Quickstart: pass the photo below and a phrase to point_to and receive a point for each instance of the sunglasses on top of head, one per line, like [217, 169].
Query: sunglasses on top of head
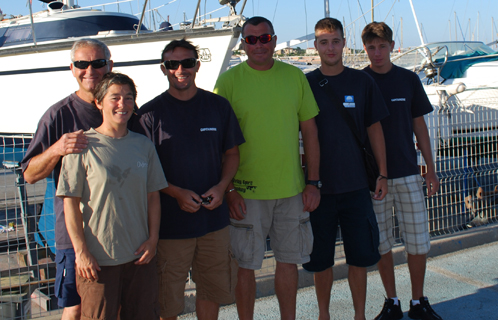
[264, 38]
[174, 64]
[96, 64]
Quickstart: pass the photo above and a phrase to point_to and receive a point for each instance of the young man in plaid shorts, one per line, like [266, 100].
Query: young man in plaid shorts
[407, 104]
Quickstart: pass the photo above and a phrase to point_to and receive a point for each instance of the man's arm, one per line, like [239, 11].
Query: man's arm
[378, 144]
[230, 165]
[424, 144]
[40, 166]
[311, 194]
[154, 219]
[86, 264]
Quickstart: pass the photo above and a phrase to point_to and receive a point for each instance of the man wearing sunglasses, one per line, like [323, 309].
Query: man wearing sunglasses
[196, 135]
[60, 132]
[269, 195]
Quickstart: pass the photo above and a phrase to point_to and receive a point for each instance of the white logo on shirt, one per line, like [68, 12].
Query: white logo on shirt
[208, 129]
[398, 99]
[141, 164]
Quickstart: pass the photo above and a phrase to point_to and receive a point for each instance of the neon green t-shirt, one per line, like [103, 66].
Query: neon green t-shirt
[269, 106]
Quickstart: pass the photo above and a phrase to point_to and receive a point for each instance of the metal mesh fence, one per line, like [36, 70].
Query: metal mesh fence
[27, 269]
[463, 131]
[466, 161]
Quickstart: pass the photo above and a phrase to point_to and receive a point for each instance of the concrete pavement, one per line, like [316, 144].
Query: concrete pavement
[461, 285]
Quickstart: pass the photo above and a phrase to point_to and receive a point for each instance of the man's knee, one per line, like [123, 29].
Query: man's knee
[286, 267]
[245, 274]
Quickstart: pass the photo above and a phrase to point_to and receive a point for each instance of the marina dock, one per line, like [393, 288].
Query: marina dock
[461, 285]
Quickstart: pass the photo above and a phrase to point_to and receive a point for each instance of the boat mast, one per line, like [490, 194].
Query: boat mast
[196, 12]
[32, 24]
[456, 32]
[416, 22]
[141, 17]
[492, 30]
[401, 39]
[372, 10]
[477, 36]
[243, 6]
[449, 25]
[327, 11]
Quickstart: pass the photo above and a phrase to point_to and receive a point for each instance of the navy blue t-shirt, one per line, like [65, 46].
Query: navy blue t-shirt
[405, 99]
[342, 168]
[68, 115]
[190, 138]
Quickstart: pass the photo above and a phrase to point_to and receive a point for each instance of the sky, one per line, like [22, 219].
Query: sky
[296, 18]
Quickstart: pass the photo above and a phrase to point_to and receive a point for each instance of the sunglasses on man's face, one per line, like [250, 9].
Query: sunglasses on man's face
[96, 64]
[174, 64]
[264, 38]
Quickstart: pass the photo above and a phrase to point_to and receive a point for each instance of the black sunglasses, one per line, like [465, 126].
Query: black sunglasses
[264, 38]
[174, 64]
[96, 64]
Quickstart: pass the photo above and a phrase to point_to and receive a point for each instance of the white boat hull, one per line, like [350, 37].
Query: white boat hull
[34, 78]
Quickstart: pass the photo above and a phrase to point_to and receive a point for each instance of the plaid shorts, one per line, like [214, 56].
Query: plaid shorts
[407, 198]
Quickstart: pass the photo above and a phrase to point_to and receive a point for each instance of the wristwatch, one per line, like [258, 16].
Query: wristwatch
[316, 183]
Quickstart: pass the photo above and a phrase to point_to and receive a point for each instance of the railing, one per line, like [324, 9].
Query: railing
[465, 139]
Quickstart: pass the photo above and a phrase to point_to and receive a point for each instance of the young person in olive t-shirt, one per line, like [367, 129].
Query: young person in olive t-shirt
[112, 210]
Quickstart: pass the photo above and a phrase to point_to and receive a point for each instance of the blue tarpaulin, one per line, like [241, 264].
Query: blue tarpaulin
[456, 69]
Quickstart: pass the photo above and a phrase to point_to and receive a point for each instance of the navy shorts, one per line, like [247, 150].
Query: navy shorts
[353, 211]
[65, 279]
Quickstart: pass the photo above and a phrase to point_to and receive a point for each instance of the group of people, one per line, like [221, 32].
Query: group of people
[127, 240]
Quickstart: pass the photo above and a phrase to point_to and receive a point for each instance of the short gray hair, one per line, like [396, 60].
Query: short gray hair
[83, 43]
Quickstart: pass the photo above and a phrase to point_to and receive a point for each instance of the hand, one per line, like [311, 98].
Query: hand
[87, 266]
[311, 198]
[380, 189]
[236, 205]
[73, 142]
[148, 248]
[185, 199]
[216, 193]
[432, 183]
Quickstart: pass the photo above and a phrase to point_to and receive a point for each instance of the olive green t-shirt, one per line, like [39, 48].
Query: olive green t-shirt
[113, 178]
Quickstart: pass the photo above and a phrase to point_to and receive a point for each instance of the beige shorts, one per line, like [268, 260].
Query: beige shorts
[214, 271]
[291, 238]
[407, 198]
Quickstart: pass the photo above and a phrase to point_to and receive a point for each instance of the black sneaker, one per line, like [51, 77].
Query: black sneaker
[390, 311]
[423, 311]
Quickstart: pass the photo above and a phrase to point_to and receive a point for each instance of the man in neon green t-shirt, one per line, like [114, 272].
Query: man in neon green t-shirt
[272, 101]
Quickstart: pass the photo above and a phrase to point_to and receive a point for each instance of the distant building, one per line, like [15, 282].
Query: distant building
[285, 51]
[311, 51]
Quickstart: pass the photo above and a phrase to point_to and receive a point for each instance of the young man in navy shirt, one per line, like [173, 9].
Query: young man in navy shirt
[345, 197]
[407, 104]
[196, 134]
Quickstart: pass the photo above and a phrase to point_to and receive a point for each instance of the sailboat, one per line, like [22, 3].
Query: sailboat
[34, 55]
